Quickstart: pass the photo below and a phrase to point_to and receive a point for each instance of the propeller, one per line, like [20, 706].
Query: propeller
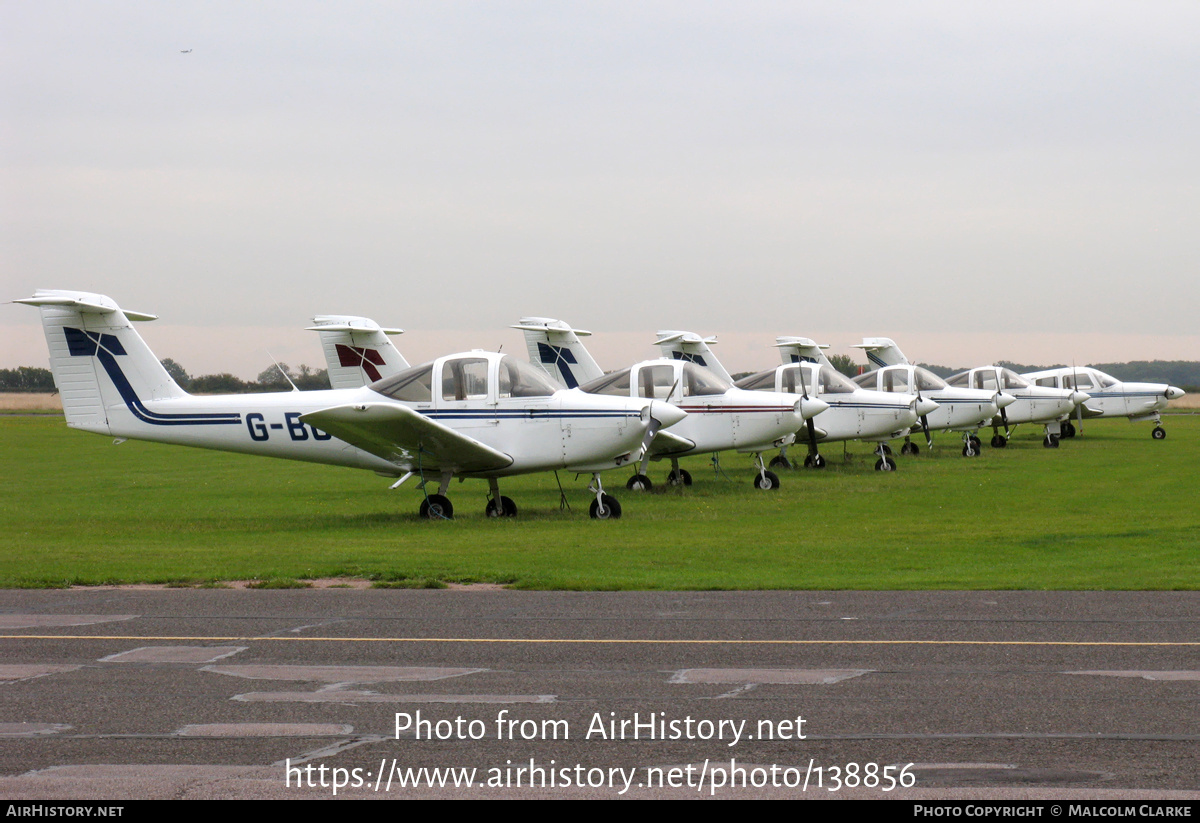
[1078, 408]
[655, 423]
[809, 424]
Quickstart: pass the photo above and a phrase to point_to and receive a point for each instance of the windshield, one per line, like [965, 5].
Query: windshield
[413, 385]
[928, 381]
[834, 382]
[616, 384]
[1012, 380]
[520, 379]
[765, 381]
[698, 381]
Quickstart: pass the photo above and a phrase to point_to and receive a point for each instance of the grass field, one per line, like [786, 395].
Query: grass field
[1111, 510]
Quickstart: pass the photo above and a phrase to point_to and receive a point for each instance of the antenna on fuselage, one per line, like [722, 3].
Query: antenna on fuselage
[281, 371]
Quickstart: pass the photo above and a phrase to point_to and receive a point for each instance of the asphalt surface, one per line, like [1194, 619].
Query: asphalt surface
[125, 694]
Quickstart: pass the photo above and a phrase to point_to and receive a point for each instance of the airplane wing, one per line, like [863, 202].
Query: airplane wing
[665, 443]
[406, 437]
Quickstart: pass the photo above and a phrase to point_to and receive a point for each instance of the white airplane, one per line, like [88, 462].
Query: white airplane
[357, 350]
[475, 414]
[1109, 397]
[1033, 404]
[961, 410]
[720, 416]
[853, 413]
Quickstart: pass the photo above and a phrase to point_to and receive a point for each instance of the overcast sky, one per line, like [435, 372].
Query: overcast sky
[976, 180]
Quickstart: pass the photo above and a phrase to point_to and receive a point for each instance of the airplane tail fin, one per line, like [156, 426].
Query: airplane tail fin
[357, 350]
[556, 349]
[801, 350]
[882, 351]
[684, 345]
[100, 363]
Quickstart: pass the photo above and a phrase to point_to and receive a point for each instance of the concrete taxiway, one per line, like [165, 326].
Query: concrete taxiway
[115, 694]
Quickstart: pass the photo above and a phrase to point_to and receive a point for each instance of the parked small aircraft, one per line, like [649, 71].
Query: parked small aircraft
[853, 413]
[721, 417]
[1109, 397]
[961, 410]
[1033, 404]
[474, 414]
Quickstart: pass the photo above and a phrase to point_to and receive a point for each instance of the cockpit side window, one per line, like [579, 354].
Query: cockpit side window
[986, 379]
[895, 380]
[465, 379]
[655, 382]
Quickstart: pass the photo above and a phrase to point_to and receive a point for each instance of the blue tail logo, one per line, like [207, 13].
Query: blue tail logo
[106, 348]
[559, 356]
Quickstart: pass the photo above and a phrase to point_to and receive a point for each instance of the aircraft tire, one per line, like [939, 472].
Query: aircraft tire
[1068, 430]
[639, 483]
[781, 462]
[910, 448]
[507, 508]
[887, 449]
[1050, 441]
[814, 461]
[684, 478]
[977, 443]
[1159, 433]
[767, 481]
[885, 464]
[999, 441]
[611, 510]
[970, 450]
[437, 507]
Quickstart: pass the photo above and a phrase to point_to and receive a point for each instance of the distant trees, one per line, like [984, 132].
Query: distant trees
[181, 377]
[845, 364]
[26, 379]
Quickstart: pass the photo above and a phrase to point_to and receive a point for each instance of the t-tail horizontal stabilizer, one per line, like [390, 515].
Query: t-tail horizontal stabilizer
[357, 350]
[555, 347]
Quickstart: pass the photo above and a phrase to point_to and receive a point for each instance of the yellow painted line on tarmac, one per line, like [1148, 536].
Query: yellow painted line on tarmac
[600, 641]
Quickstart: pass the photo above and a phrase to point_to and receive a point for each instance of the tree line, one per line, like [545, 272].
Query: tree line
[32, 379]
[1182, 373]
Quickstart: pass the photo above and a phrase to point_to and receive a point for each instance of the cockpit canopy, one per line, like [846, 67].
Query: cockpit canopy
[901, 379]
[467, 377]
[829, 380]
[985, 378]
[655, 379]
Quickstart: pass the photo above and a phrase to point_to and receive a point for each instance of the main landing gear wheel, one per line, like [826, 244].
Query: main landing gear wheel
[814, 461]
[977, 443]
[639, 483]
[681, 478]
[1159, 433]
[1068, 430]
[1050, 441]
[886, 449]
[910, 448]
[767, 481]
[781, 462]
[999, 441]
[507, 508]
[437, 507]
[606, 508]
[885, 464]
